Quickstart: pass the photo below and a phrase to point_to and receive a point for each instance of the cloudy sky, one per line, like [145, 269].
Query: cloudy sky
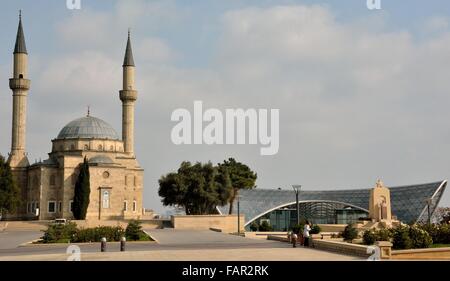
[362, 94]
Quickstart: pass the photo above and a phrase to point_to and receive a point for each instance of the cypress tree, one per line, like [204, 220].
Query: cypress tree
[9, 191]
[82, 192]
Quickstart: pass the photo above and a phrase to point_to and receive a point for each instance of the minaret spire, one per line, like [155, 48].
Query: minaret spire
[128, 96]
[20, 47]
[19, 84]
[128, 60]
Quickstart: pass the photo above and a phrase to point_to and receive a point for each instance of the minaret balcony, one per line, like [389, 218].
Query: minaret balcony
[128, 95]
[19, 84]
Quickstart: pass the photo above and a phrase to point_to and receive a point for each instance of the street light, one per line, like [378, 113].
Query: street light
[238, 215]
[297, 188]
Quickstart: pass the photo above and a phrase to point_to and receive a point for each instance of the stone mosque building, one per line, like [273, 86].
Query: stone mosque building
[47, 187]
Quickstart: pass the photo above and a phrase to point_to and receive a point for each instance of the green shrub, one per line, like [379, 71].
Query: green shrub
[265, 226]
[134, 232]
[401, 239]
[350, 233]
[297, 229]
[86, 235]
[419, 237]
[60, 233]
[254, 226]
[440, 233]
[111, 233]
[384, 235]
[315, 229]
[411, 237]
[369, 237]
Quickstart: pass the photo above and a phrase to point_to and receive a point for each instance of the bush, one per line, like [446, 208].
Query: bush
[369, 237]
[401, 239]
[60, 233]
[254, 226]
[134, 232]
[297, 229]
[111, 233]
[315, 229]
[265, 226]
[350, 233]
[384, 235]
[419, 237]
[411, 237]
[440, 233]
[373, 235]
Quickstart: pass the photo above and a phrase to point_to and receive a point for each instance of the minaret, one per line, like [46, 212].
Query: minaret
[19, 85]
[128, 96]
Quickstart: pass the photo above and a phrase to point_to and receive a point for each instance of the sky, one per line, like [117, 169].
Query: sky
[363, 94]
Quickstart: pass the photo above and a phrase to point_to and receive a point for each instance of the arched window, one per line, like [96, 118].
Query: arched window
[134, 206]
[72, 147]
[100, 147]
[20, 76]
[86, 147]
[105, 201]
[111, 148]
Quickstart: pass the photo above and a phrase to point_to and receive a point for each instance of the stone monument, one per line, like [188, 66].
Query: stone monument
[380, 213]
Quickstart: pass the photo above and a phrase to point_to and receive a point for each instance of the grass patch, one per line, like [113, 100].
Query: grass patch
[440, 245]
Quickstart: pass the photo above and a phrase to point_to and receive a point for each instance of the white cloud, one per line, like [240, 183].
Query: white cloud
[355, 103]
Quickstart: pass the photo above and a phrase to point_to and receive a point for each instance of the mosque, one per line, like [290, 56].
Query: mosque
[47, 187]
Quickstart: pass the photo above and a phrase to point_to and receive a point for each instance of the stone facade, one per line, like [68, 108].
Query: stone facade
[47, 188]
[224, 223]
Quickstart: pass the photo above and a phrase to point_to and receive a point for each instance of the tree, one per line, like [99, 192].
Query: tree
[9, 191]
[241, 176]
[199, 188]
[82, 192]
[350, 233]
[441, 215]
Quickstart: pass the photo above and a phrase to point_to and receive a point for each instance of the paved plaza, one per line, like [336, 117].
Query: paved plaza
[170, 245]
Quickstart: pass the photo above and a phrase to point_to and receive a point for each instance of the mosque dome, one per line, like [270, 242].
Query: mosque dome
[88, 127]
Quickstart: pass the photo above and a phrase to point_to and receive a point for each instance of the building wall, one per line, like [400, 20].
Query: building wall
[123, 179]
[226, 223]
[122, 185]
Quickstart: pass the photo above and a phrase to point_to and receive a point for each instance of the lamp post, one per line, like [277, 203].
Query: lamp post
[297, 188]
[238, 215]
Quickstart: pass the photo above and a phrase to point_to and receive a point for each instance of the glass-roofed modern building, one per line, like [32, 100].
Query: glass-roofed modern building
[277, 206]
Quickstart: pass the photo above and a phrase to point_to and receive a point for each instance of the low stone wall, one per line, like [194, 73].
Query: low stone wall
[226, 223]
[332, 227]
[278, 238]
[263, 234]
[421, 254]
[341, 247]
